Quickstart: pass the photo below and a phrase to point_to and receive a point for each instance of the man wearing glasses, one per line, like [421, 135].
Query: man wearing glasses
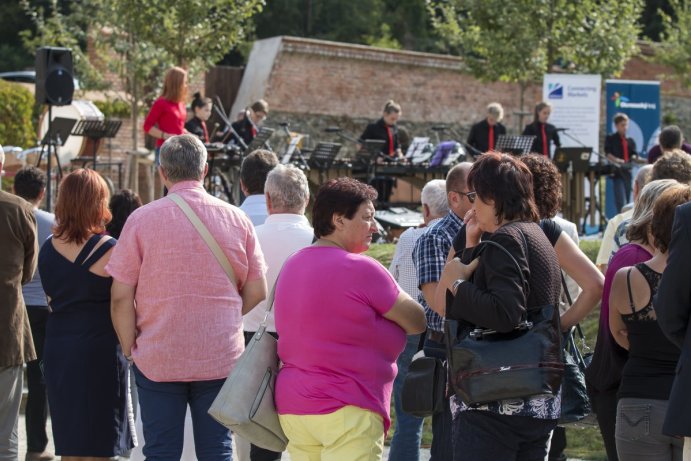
[429, 256]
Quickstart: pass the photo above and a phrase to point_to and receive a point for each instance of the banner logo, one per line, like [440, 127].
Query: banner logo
[555, 91]
[622, 102]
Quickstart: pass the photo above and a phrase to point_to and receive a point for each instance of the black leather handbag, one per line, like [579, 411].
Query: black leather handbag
[488, 366]
[424, 387]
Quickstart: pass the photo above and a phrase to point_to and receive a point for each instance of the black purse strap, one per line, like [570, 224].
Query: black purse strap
[577, 329]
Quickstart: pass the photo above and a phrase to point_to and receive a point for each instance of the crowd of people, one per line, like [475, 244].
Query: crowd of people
[116, 306]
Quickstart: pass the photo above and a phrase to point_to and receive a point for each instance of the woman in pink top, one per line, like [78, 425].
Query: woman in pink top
[342, 322]
[168, 114]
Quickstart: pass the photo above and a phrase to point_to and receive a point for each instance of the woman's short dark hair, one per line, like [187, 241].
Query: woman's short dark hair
[122, 204]
[546, 184]
[508, 182]
[342, 196]
[663, 214]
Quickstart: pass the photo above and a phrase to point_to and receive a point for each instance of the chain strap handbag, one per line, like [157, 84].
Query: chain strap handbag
[245, 403]
[487, 366]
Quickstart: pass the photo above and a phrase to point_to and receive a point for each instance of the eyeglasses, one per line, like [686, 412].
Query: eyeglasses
[469, 195]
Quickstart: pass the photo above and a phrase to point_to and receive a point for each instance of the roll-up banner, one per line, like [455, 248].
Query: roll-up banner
[640, 101]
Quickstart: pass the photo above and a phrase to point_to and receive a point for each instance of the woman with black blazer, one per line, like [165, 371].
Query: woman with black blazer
[495, 298]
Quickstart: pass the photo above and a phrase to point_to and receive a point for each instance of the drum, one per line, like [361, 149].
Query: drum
[75, 146]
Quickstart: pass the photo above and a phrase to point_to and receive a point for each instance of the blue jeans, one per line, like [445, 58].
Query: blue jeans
[442, 446]
[405, 444]
[163, 408]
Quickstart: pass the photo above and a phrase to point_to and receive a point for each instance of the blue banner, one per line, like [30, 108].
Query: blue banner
[640, 100]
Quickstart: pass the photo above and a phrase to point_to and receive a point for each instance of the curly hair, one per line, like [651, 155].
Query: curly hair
[673, 165]
[122, 204]
[546, 184]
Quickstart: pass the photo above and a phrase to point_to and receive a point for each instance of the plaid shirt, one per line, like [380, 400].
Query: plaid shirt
[429, 257]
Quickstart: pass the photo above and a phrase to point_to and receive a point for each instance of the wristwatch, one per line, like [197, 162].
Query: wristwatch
[456, 284]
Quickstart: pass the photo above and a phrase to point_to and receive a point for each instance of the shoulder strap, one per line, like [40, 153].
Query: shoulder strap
[87, 248]
[628, 287]
[100, 251]
[206, 236]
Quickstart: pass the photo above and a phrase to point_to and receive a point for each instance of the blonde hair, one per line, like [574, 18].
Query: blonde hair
[392, 106]
[495, 110]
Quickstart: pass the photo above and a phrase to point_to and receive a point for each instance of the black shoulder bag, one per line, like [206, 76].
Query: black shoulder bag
[487, 366]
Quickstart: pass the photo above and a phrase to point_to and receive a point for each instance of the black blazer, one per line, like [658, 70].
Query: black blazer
[244, 129]
[194, 126]
[673, 309]
[479, 135]
[535, 129]
[614, 146]
[377, 130]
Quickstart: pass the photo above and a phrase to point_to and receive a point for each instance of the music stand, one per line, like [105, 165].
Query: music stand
[96, 130]
[515, 145]
[260, 140]
[323, 155]
[575, 159]
[372, 149]
[58, 131]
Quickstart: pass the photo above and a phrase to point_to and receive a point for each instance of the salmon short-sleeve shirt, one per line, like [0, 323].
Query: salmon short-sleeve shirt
[188, 314]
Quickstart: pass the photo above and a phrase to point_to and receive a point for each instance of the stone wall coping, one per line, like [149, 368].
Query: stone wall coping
[369, 53]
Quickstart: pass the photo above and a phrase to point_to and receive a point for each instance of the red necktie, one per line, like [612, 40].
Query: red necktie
[206, 133]
[625, 148]
[545, 146]
[491, 138]
[388, 131]
[254, 131]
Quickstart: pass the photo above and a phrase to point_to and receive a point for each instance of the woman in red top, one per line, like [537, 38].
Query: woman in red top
[168, 114]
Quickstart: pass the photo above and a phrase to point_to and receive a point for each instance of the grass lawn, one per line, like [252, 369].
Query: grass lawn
[582, 443]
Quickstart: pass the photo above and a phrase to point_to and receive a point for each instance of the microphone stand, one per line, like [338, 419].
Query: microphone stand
[231, 130]
[592, 201]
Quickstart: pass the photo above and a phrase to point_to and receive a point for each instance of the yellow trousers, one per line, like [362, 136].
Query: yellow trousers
[348, 434]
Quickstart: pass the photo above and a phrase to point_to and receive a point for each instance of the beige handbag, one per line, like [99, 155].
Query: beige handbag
[245, 403]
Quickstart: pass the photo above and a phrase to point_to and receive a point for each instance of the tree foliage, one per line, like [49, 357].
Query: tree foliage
[675, 48]
[520, 40]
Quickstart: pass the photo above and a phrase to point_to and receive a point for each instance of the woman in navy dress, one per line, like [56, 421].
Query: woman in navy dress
[85, 370]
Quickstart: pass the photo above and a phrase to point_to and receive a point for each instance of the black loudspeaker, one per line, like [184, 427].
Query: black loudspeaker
[54, 81]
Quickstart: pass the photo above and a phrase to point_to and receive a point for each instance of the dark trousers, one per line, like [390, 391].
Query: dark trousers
[163, 407]
[37, 401]
[557, 444]
[483, 435]
[258, 453]
[442, 446]
[605, 408]
[622, 189]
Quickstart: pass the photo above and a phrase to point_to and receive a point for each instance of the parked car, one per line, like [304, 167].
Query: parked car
[26, 76]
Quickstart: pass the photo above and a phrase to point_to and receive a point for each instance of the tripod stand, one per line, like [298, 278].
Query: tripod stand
[58, 132]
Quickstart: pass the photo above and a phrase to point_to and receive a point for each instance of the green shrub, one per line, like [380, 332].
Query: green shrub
[116, 108]
[16, 106]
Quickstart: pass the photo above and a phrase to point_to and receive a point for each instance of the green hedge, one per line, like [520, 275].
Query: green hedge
[16, 107]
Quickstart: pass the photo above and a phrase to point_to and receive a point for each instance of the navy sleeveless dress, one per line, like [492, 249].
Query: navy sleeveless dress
[84, 368]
